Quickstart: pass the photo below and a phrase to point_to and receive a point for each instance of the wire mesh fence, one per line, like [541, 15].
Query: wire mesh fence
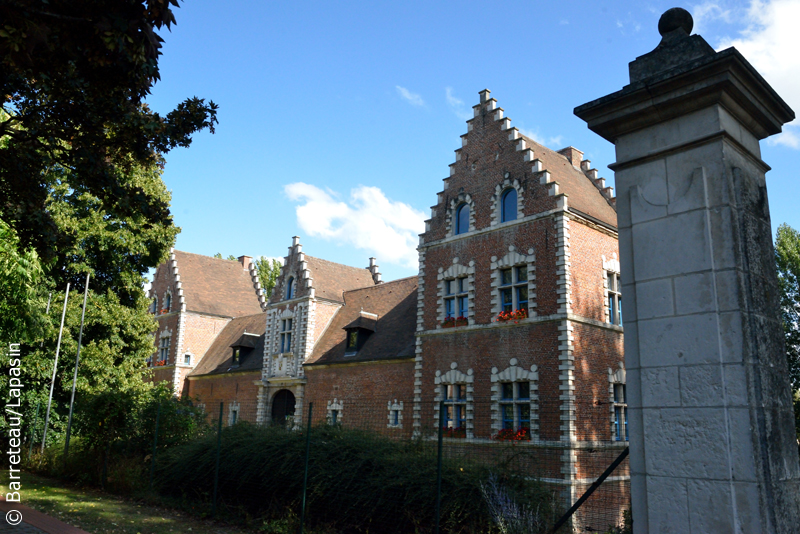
[476, 465]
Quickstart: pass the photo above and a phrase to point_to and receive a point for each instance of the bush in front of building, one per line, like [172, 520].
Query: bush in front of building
[358, 481]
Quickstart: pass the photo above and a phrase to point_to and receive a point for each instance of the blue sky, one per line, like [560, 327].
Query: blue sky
[338, 120]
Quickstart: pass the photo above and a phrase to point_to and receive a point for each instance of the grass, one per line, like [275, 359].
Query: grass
[100, 513]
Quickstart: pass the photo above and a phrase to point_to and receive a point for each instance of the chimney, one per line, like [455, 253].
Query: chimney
[245, 261]
[574, 156]
[373, 268]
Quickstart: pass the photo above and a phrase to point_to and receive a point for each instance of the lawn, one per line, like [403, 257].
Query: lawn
[100, 513]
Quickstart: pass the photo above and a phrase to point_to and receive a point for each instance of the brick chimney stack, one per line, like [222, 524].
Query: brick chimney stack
[245, 261]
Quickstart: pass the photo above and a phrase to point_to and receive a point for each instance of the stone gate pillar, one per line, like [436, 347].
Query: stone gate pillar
[711, 425]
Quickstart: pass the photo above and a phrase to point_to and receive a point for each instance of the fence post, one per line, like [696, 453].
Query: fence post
[305, 474]
[155, 444]
[216, 469]
[439, 465]
[33, 428]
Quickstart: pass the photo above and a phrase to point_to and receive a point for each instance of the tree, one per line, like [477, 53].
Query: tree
[268, 273]
[787, 256]
[73, 76]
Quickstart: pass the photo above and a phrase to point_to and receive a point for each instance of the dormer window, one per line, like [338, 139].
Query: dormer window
[242, 347]
[236, 356]
[290, 288]
[358, 331]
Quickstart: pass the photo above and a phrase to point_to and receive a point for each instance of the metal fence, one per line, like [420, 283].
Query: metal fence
[367, 466]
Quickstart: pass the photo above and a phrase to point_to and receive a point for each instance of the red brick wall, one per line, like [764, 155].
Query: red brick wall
[239, 387]
[200, 332]
[324, 314]
[493, 347]
[365, 389]
[587, 247]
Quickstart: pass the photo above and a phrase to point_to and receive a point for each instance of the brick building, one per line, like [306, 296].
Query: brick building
[194, 297]
[514, 319]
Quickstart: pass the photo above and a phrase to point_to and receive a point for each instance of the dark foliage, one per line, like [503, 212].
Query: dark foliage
[358, 481]
[73, 75]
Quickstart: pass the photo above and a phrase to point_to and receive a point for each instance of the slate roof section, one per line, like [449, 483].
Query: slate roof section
[332, 279]
[219, 356]
[395, 303]
[216, 286]
[582, 194]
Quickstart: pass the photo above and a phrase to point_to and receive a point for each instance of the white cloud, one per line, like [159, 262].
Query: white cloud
[771, 43]
[368, 220]
[707, 12]
[412, 98]
[456, 105]
[554, 141]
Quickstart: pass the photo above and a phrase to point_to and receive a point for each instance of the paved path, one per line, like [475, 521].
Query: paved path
[33, 522]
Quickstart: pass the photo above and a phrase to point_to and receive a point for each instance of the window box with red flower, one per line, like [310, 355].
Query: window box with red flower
[515, 315]
[449, 322]
[508, 434]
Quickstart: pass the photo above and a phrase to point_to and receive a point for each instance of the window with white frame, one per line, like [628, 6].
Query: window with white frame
[454, 388]
[508, 205]
[395, 414]
[514, 288]
[456, 298]
[335, 408]
[286, 335]
[233, 413]
[187, 359]
[614, 293]
[515, 402]
[619, 404]
[290, 288]
[163, 348]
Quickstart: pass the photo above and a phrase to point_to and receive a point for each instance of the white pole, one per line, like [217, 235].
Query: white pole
[55, 367]
[77, 361]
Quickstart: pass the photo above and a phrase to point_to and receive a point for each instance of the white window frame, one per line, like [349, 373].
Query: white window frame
[514, 374]
[233, 413]
[454, 272]
[454, 377]
[395, 414]
[497, 200]
[335, 409]
[611, 269]
[285, 335]
[462, 198]
[165, 335]
[512, 261]
[615, 379]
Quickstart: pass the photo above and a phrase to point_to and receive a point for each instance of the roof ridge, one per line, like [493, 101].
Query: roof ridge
[336, 263]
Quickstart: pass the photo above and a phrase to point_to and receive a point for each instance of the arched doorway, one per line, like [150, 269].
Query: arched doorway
[282, 407]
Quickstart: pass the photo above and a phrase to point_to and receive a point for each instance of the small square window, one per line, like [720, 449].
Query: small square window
[508, 390]
[523, 390]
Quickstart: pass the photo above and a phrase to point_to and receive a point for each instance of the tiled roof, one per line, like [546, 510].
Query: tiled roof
[218, 357]
[215, 286]
[582, 194]
[331, 279]
[395, 303]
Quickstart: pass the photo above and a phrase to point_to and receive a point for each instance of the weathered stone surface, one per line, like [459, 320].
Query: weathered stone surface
[712, 435]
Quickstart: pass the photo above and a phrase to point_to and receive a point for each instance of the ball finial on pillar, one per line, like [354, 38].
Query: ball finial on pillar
[675, 18]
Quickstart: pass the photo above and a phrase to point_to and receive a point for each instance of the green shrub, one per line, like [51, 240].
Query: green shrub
[358, 481]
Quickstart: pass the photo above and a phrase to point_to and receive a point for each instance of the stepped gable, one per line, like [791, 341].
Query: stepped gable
[495, 156]
[218, 357]
[395, 304]
[331, 280]
[585, 194]
[215, 286]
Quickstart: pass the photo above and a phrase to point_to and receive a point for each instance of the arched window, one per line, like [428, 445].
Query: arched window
[462, 219]
[509, 205]
[290, 288]
[167, 301]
